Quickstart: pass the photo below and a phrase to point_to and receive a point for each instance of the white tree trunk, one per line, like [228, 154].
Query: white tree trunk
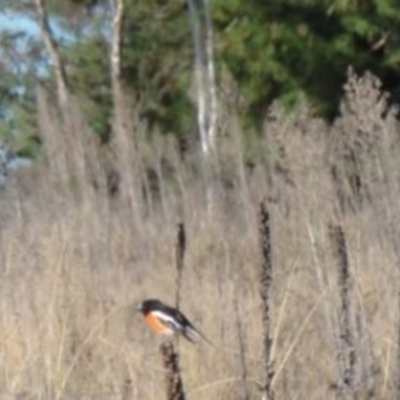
[211, 83]
[200, 77]
[115, 54]
[206, 91]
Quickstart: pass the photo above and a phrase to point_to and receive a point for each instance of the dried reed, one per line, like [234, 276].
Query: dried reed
[180, 257]
[265, 292]
[346, 352]
[173, 375]
[244, 395]
[169, 354]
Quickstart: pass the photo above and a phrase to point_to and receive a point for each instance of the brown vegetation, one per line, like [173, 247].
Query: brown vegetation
[74, 266]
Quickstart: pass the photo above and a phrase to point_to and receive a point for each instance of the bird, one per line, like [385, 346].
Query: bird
[167, 321]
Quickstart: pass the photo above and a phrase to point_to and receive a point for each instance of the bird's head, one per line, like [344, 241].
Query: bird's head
[149, 305]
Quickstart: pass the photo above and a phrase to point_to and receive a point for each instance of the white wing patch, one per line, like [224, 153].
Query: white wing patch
[171, 322]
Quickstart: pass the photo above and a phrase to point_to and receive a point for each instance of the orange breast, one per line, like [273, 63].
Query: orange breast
[156, 325]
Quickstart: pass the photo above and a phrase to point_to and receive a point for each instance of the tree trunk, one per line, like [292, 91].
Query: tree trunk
[123, 130]
[72, 142]
[52, 48]
[206, 93]
[211, 84]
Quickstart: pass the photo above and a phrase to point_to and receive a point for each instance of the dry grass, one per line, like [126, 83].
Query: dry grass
[72, 270]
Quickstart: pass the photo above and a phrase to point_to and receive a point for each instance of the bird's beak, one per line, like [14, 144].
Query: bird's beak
[139, 308]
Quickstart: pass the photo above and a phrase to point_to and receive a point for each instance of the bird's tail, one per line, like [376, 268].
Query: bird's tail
[193, 335]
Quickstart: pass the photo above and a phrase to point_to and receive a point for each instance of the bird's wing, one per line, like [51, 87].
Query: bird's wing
[189, 331]
[169, 321]
[179, 323]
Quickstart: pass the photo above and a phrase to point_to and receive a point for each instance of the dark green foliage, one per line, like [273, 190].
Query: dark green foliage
[18, 126]
[90, 80]
[274, 50]
[280, 49]
[157, 62]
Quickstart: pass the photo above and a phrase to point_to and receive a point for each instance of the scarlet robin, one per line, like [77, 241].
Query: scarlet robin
[167, 321]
